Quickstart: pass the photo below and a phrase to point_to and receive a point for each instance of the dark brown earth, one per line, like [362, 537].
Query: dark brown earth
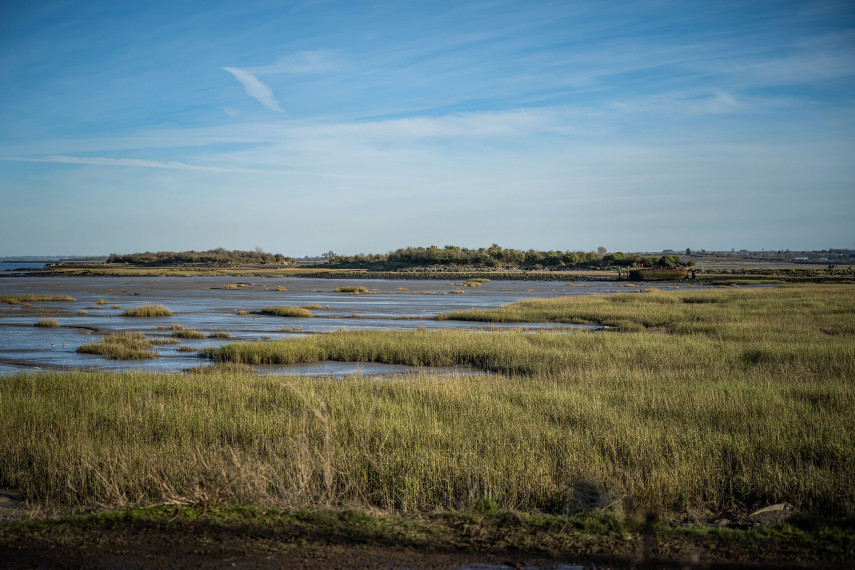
[325, 539]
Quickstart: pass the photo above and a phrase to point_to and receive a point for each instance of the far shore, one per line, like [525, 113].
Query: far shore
[730, 273]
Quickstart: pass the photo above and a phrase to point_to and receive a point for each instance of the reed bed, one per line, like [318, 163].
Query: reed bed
[47, 323]
[148, 311]
[723, 442]
[721, 401]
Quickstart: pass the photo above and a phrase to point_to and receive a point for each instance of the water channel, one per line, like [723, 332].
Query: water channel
[232, 305]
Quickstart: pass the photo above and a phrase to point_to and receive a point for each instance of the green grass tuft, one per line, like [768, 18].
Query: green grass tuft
[188, 333]
[148, 311]
[287, 311]
[121, 346]
[352, 289]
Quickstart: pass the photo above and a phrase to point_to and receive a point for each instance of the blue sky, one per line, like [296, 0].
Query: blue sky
[303, 127]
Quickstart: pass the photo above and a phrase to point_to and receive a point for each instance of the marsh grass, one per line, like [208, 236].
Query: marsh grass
[219, 334]
[312, 307]
[672, 310]
[241, 312]
[101, 302]
[82, 313]
[47, 323]
[352, 289]
[287, 311]
[188, 334]
[20, 299]
[115, 306]
[185, 349]
[121, 346]
[281, 288]
[163, 340]
[723, 400]
[148, 311]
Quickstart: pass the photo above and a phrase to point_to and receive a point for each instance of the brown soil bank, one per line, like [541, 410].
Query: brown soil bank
[184, 537]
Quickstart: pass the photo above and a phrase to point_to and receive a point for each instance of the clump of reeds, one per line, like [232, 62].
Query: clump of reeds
[219, 334]
[185, 348]
[312, 307]
[241, 312]
[82, 313]
[121, 346]
[115, 306]
[47, 323]
[188, 333]
[281, 288]
[352, 289]
[101, 302]
[19, 299]
[287, 311]
[148, 311]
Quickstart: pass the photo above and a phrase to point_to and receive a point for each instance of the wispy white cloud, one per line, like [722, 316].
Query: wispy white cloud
[255, 88]
[316, 61]
[126, 162]
[302, 62]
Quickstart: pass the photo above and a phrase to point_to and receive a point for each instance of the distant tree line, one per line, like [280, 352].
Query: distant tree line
[217, 257]
[495, 256]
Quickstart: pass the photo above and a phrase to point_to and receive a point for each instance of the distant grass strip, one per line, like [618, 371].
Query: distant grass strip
[677, 311]
[19, 299]
[47, 323]
[287, 311]
[148, 311]
[121, 346]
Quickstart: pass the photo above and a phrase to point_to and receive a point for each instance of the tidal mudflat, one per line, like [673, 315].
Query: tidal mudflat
[227, 309]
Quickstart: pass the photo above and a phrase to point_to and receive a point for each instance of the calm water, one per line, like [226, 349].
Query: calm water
[209, 304]
[10, 265]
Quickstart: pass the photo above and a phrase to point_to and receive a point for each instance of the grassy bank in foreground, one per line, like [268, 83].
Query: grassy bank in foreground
[191, 536]
[726, 401]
